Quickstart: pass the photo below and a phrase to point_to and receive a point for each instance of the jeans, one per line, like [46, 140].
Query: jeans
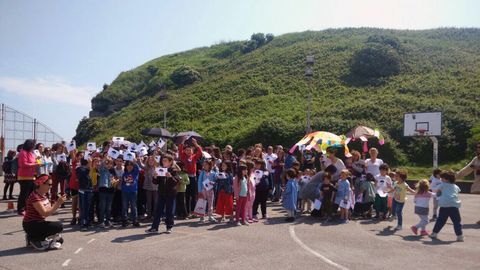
[26, 187]
[151, 202]
[448, 212]
[397, 208]
[85, 200]
[105, 209]
[165, 207]
[129, 199]
[191, 194]
[95, 204]
[277, 192]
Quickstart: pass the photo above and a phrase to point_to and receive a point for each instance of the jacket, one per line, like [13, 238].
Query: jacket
[167, 186]
[130, 179]
[290, 195]
[226, 184]
[84, 180]
[203, 177]
[184, 181]
[26, 172]
[265, 182]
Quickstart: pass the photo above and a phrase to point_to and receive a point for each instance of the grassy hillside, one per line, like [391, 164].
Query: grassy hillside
[260, 96]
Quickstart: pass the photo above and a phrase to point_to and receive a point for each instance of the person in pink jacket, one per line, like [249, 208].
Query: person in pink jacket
[27, 166]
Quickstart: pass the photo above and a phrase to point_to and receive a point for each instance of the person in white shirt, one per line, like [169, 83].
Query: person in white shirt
[435, 181]
[333, 160]
[383, 185]
[373, 163]
[270, 158]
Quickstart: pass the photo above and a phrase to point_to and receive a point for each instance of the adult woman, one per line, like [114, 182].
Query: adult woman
[27, 166]
[333, 160]
[42, 234]
[278, 165]
[61, 170]
[373, 163]
[9, 178]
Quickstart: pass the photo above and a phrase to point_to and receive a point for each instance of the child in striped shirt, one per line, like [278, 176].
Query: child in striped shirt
[422, 201]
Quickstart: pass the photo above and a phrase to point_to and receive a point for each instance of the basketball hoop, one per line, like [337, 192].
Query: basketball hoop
[421, 132]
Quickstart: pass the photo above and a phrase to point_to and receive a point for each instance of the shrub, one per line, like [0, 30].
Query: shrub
[375, 61]
[185, 75]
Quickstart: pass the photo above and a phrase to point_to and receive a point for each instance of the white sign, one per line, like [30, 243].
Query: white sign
[142, 144]
[87, 155]
[118, 139]
[133, 147]
[161, 171]
[129, 156]
[161, 143]
[157, 159]
[428, 123]
[208, 185]
[62, 157]
[37, 153]
[143, 152]
[152, 144]
[222, 175]
[206, 155]
[91, 146]
[305, 179]
[71, 146]
[113, 153]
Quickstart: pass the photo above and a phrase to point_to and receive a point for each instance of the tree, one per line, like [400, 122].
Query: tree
[250, 46]
[385, 40]
[88, 128]
[105, 86]
[152, 70]
[269, 37]
[259, 38]
[185, 75]
[375, 61]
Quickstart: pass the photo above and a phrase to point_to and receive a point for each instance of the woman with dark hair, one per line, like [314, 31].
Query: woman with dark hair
[42, 234]
[27, 165]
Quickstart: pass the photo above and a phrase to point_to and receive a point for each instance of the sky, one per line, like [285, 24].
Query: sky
[56, 55]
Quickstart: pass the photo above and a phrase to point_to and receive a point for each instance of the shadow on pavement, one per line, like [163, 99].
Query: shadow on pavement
[131, 238]
[387, 231]
[471, 226]
[16, 251]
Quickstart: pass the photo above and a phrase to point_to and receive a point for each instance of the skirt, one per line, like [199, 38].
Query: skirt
[9, 178]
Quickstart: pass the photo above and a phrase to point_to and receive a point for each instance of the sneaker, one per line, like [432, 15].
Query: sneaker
[84, 229]
[460, 238]
[108, 224]
[211, 219]
[414, 230]
[136, 224]
[433, 235]
[169, 231]
[222, 219]
[398, 228]
[39, 245]
[55, 245]
[255, 217]
[434, 218]
[101, 225]
[74, 221]
[264, 216]
[4, 198]
[238, 223]
[152, 231]
[202, 219]
[245, 223]
[423, 233]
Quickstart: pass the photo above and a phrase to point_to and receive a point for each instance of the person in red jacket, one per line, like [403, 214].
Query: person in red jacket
[189, 158]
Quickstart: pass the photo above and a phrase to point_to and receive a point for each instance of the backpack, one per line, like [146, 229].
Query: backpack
[369, 193]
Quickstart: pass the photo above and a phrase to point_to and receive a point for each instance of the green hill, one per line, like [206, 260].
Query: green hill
[245, 92]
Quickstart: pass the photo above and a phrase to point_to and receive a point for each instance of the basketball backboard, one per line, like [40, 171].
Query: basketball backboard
[422, 124]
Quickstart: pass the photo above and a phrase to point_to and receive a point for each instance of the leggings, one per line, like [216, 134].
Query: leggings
[240, 212]
[423, 222]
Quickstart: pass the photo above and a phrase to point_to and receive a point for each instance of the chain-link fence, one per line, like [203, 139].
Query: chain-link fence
[16, 127]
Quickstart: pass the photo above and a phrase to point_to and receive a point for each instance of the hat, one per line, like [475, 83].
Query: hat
[41, 179]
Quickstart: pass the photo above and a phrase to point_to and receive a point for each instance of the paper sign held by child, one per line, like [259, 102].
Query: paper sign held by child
[161, 171]
[91, 146]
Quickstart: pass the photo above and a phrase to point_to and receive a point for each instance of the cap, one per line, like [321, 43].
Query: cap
[41, 179]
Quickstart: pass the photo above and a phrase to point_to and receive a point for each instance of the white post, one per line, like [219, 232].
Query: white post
[435, 151]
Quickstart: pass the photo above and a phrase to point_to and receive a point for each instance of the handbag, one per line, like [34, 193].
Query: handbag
[200, 207]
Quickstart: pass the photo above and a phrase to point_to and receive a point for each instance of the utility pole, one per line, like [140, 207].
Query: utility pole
[310, 61]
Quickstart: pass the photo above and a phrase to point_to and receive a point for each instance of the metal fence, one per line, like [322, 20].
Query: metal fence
[16, 127]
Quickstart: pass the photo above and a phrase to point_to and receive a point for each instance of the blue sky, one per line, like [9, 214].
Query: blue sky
[56, 55]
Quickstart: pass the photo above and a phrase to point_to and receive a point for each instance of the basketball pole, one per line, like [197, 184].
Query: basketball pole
[435, 151]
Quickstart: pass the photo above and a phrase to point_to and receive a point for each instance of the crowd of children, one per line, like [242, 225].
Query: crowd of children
[121, 184]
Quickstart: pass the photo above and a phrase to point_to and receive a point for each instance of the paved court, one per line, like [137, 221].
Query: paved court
[271, 244]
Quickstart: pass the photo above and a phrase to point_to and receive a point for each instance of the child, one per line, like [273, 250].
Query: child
[149, 187]
[434, 183]
[95, 197]
[106, 190]
[449, 203]
[117, 195]
[241, 194]
[368, 190]
[303, 182]
[206, 182]
[383, 184]
[251, 189]
[422, 201]
[73, 183]
[167, 193]
[342, 197]
[10, 177]
[327, 193]
[263, 185]
[129, 192]
[399, 196]
[85, 192]
[225, 191]
[390, 213]
[182, 186]
[290, 194]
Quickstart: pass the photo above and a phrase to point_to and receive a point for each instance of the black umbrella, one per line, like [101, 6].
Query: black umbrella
[188, 135]
[156, 132]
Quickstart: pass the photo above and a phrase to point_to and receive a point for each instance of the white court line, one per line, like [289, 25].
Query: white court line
[78, 250]
[91, 240]
[323, 258]
[66, 262]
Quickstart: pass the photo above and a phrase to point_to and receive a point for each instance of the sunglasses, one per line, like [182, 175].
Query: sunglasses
[49, 184]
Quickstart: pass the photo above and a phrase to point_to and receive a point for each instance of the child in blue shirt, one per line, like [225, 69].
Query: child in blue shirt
[449, 203]
[290, 195]
[129, 192]
[342, 197]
